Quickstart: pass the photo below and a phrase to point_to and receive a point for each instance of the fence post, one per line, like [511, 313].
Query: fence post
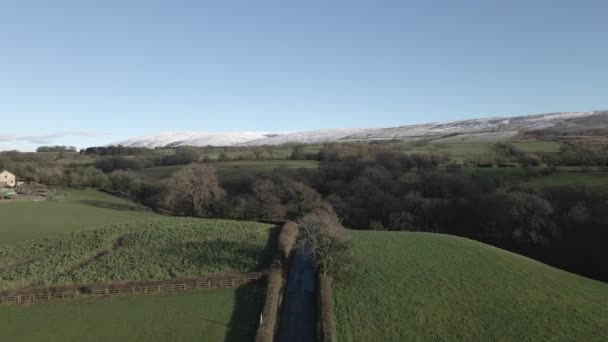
[158, 288]
[19, 299]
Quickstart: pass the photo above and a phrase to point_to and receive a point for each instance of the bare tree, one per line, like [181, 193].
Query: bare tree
[195, 190]
[257, 152]
[324, 237]
[297, 153]
[266, 204]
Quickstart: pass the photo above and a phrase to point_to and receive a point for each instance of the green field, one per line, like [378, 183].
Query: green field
[531, 178]
[422, 286]
[199, 315]
[464, 149]
[538, 146]
[72, 210]
[488, 137]
[162, 248]
[597, 180]
[229, 169]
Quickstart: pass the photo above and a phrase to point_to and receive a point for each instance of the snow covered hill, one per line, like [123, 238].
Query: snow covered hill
[196, 139]
[516, 124]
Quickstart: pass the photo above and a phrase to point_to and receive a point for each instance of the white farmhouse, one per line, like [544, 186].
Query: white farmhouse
[7, 180]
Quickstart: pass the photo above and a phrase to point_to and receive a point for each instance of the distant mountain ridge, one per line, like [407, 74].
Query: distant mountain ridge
[517, 124]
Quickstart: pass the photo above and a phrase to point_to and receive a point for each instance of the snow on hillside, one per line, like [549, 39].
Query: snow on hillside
[498, 124]
[309, 137]
[195, 139]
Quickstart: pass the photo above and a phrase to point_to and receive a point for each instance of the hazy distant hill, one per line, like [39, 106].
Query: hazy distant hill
[553, 122]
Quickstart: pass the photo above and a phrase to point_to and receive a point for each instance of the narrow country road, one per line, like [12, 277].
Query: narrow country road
[298, 316]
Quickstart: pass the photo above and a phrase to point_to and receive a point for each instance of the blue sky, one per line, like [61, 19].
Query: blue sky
[92, 72]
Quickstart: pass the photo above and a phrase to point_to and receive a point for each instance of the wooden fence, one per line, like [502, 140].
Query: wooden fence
[126, 289]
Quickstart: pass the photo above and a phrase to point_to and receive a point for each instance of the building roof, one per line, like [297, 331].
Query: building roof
[5, 171]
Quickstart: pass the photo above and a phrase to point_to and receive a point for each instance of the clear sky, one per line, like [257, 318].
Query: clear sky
[88, 72]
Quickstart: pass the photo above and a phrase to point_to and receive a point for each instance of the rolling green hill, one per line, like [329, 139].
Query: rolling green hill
[422, 286]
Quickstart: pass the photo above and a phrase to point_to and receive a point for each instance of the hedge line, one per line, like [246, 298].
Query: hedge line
[327, 317]
[276, 281]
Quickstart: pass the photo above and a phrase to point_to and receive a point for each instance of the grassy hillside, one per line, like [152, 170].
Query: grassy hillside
[200, 315]
[160, 248]
[421, 286]
[71, 211]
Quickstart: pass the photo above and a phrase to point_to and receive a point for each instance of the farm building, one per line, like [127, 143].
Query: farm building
[7, 180]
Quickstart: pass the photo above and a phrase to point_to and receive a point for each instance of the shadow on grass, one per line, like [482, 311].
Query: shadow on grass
[249, 299]
[245, 319]
[108, 205]
[270, 251]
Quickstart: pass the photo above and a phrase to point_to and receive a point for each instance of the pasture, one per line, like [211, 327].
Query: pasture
[437, 287]
[538, 146]
[230, 169]
[532, 178]
[71, 210]
[198, 315]
[597, 180]
[153, 249]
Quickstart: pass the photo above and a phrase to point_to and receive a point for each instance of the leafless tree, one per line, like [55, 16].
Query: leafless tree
[266, 204]
[195, 190]
[324, 237]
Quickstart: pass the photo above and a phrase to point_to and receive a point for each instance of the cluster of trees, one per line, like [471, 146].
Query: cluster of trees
[112, 158]
[188, 154]
[114, 163]
[562, 226]
[567, 156]
[56, 148]
[385, 190]
[196, 191]
[117, 150]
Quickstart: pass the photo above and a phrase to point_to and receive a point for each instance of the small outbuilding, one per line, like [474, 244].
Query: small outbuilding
[7, 180]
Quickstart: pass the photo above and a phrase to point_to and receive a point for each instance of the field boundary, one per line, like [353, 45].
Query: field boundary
[326, 314]
[45, 295]
[270, 315]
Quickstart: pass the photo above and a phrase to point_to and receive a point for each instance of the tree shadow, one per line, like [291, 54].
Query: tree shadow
[249, 299]
[108, 205]
[245, 319]
[271, 249]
